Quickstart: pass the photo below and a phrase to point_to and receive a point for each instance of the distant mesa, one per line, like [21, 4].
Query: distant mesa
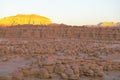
[22, 19]
[106, 24]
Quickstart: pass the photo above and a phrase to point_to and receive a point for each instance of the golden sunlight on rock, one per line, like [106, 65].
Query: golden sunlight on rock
[21, 19]
[106, 24]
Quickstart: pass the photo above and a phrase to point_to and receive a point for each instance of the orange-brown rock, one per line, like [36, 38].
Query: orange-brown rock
[21, 19]
[59, 53]
[118, 24]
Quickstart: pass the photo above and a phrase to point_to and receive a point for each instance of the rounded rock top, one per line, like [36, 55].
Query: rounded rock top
[21, 19]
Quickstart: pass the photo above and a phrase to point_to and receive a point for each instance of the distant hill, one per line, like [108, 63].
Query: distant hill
[104, 24]
[21, 19]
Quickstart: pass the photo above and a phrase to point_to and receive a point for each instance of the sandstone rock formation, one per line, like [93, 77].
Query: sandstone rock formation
[21, 19]
[110, 24]
[43, 52]
[56, 32]
[118, 24]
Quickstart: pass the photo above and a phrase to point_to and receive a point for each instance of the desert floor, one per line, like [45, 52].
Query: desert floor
[59, 59]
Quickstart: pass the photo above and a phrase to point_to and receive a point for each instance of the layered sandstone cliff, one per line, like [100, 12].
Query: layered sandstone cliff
[21, 19]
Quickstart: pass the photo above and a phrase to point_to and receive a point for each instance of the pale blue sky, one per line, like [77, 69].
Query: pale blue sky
[75, 12]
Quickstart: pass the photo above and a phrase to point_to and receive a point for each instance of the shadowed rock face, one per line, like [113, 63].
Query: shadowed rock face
[21, 19]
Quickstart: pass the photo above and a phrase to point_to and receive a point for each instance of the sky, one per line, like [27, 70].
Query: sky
[71, 12]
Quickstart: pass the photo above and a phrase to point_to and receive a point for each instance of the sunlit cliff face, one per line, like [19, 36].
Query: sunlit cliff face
[21, 19]
[110, 24]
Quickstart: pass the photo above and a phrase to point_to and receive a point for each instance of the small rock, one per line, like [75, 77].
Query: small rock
[64, 76]
[69, 71]
[59, 68]
[44, 73]
[73, 77]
